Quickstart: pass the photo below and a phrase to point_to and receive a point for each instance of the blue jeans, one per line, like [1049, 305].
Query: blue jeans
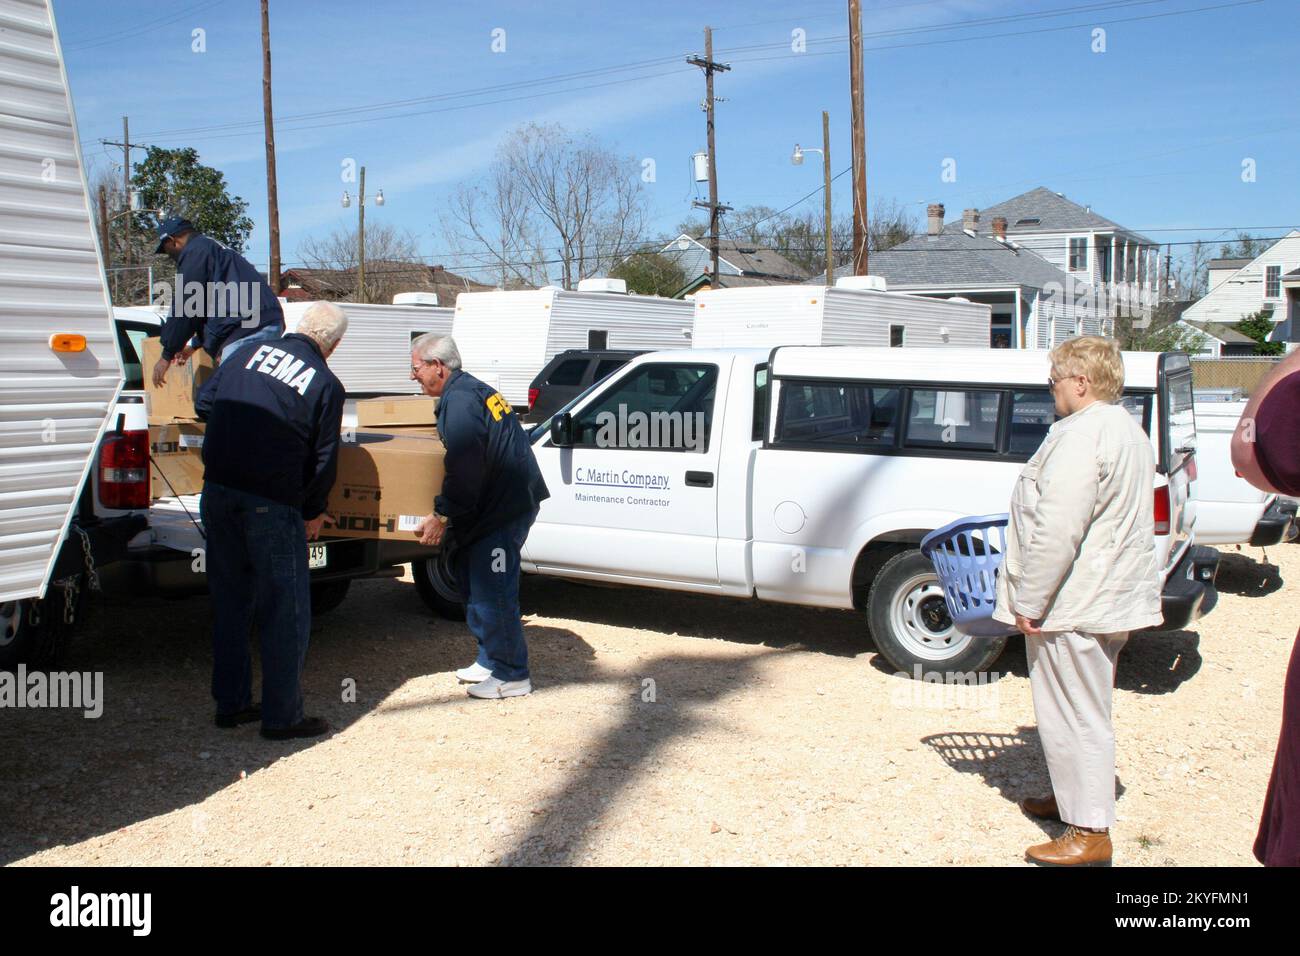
[257, 573]
[488, 572]
[267, 333]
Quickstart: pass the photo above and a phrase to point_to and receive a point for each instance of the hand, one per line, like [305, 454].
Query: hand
[315, 524]
[1027, 627]
[430, 531]
[183, 356]
[160, 372]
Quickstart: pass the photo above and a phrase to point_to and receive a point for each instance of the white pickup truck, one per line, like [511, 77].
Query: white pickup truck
[1230, 510]
[811, 474]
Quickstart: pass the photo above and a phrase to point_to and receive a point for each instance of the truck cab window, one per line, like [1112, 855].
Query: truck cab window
[966, 418]
[845, 414]
[667, 407]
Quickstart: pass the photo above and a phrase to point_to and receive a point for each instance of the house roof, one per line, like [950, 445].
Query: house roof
[725, 281]
[955, 260]
[1228, 263]
[1216, 330]
[1042, 210]
[1294, 274]
[411, 276]
[748, 257]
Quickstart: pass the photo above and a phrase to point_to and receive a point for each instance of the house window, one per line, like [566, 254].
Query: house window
[895, 336]
[1272, 282]
[1079, 254]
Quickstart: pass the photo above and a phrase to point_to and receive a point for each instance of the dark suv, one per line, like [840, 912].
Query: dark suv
[570, 374]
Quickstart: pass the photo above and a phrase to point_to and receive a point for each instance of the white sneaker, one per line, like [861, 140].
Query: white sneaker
[473, 674]
[491, 689]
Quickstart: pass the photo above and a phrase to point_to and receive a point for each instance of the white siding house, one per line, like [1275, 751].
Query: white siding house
[1257, 285]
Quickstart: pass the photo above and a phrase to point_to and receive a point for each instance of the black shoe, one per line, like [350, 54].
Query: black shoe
[245, 716]
[308, 727]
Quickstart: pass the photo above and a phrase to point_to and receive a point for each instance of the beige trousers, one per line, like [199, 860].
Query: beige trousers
[1072, 678]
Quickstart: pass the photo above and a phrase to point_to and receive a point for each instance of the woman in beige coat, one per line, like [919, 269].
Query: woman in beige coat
[1080, 573]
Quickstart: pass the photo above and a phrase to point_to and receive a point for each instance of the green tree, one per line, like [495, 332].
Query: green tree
[175, 182]
[649, 273]
[1157, 332]
[1245, 246]
[1259, 327]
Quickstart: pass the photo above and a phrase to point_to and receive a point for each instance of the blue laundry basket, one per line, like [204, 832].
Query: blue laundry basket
[967, 555]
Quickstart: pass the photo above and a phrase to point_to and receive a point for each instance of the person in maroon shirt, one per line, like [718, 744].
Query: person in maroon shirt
[1266, 452]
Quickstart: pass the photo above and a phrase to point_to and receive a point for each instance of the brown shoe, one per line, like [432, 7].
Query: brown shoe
[1042, 807]
[1074, 847]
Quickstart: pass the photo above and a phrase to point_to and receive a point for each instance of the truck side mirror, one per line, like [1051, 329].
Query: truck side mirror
[562, 430]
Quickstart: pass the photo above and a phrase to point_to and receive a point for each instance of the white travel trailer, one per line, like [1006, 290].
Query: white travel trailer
[855, 311]
[374, 357]
[506, 338]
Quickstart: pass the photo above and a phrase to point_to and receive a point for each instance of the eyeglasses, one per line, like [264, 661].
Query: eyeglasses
[1051, 382]
[415, 369]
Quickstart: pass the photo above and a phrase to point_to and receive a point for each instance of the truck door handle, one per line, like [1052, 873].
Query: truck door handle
[699, 479]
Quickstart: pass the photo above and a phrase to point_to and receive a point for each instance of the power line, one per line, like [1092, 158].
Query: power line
[148, 27]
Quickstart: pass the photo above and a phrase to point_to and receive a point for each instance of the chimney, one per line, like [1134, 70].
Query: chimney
[1000, 228]
[970, 220]
[934, 218]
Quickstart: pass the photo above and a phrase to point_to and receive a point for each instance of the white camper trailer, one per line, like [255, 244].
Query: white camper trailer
[855, 311]
[374, 357]
[506, 338]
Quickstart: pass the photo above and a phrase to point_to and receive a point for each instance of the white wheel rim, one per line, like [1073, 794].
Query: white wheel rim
[920, 620]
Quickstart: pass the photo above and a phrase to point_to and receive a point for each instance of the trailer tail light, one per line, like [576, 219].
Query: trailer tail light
[532, 396]
[124, 470]
[1162, 510]
[67, 342]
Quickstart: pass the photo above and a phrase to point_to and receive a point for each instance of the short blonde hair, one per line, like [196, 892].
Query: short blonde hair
[1096, 358]
[324, 323]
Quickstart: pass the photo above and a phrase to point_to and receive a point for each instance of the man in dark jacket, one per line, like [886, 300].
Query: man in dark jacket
[270, 453]
[219, 298]
[490, 497]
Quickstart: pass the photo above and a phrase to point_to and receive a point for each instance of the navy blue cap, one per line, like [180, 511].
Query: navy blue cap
[169, 228]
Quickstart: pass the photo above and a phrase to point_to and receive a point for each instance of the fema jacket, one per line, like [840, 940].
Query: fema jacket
[492, 477]
[273, 415]
[232, 293]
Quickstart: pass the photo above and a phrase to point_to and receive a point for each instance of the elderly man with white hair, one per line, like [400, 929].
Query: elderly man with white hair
[270, 454]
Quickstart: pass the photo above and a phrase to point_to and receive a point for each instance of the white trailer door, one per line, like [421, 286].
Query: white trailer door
[53, 405]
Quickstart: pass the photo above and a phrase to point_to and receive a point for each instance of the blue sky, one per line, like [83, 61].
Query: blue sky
[1152, 132]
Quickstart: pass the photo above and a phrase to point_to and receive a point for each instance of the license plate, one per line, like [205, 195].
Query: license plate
[315, 556]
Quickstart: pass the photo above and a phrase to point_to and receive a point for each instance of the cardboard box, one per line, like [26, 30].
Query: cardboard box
[174, 402]
[397, 410]
[176, 459]
[386, 484]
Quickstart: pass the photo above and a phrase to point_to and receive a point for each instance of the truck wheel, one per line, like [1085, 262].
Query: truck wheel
[911, 626]
[436, 582]
[29, 634]
[327, 595]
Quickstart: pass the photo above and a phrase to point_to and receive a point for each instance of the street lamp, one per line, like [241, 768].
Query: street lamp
[361, 229]
[796, 158]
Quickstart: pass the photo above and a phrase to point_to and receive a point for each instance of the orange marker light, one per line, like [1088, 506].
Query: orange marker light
[67, 342]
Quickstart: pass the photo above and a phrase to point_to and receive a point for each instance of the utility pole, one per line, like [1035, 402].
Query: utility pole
[859, 139]
[272, 198]
[709, 67]
[826, 172]
[126, 190]
[1169, 271]
[361, 238]
[103, 227]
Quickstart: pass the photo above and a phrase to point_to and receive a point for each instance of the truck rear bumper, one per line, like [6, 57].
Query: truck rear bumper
[1189, 592]
[1275, 524]
[171, 573]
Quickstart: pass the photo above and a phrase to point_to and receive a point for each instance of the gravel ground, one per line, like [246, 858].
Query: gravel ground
[664, 729]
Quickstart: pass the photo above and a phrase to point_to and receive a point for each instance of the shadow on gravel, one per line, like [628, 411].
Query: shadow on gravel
[820, 630]
[1158, 662]
[65, 779]
[1012, 764]
[684, 692]
[1241, 574]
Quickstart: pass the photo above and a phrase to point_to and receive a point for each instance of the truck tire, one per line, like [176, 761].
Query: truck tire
[436, 583]
[30, 632]
[327, 595]
[910, 624]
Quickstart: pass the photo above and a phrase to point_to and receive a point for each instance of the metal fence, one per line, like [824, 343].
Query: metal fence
[1242, 372]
